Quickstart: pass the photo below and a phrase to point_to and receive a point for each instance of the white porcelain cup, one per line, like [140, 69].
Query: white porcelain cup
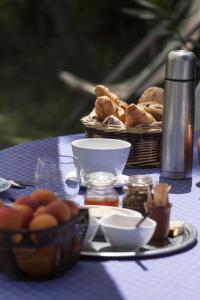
[101, 154]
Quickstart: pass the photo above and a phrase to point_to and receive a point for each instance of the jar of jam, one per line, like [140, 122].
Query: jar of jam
[100, 189]
[137, 192]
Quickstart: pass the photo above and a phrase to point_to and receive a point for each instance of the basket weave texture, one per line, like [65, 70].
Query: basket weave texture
[145, 141]
[42, 254]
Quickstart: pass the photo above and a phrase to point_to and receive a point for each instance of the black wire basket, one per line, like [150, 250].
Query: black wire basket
[42, 254]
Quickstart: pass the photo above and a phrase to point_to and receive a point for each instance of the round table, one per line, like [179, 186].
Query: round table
[170, 276]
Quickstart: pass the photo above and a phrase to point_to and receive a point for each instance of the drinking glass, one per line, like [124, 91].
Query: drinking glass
[60, 175]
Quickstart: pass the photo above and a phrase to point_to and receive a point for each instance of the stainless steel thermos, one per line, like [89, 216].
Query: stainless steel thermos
[178, 115]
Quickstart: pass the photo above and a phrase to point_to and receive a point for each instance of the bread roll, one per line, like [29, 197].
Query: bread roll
[120, 114]
[102, 90]
[156, 109]
[105, 107]
[136, 115]
[152, 94]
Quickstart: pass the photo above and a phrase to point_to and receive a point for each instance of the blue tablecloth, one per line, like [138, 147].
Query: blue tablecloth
[170, 277]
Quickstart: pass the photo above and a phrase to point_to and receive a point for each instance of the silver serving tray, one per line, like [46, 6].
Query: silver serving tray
[100, 248]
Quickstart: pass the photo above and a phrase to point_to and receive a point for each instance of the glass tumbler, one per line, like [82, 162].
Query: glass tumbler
[60, 175]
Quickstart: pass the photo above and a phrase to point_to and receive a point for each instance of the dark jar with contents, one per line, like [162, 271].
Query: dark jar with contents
[137, 192]
[100, 189]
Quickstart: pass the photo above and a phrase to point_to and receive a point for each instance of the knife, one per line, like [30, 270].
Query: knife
[20, 183]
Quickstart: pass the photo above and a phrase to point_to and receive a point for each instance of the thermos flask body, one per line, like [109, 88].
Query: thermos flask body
[178, 123]
[178, 115]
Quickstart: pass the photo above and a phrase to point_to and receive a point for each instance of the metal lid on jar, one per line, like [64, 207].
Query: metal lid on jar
[181, 65]
[100, 179]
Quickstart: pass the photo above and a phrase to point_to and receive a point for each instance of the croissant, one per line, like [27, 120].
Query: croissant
[155, 109]
[105, 107]
[152, 94]
[137, 115]
[102, 90]
[120, 114]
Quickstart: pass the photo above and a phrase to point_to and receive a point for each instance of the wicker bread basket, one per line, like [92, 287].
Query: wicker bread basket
[145, 141]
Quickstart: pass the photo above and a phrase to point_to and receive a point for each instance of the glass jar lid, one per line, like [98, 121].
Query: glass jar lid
[100, 179]
[140, 180]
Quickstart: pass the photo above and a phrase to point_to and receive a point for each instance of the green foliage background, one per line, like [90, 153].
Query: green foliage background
[34, 103]
[40, 38]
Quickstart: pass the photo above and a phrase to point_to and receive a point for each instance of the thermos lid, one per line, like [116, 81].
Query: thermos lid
[181, 65]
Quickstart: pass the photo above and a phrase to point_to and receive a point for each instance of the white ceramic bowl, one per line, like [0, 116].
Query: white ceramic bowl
[121, 233]
[101, 211]
[99, 154]
[91, 230]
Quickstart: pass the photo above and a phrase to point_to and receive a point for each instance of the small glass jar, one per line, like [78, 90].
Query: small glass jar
[100, 189]
[137, 192]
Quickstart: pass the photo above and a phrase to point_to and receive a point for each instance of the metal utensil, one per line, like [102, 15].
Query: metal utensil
[20, 183]
[142, 220]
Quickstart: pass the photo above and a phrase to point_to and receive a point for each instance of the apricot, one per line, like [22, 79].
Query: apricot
[44, 196]
[22, 200]
[33, 204]
[59, 210]
[40, 210]
[35, 261]
[26, 213]
[1, 203]
[10, 219]
[43, 221]
[17, 238]
[72, 206]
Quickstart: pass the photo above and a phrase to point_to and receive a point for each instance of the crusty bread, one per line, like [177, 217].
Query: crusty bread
[104, 107]
[121, 115]
[152, 94]
[102, 90]
[136, 115]
[156, 109]
[148, 110]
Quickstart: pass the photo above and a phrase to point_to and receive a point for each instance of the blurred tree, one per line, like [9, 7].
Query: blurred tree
[41, 38]
[172, 25]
